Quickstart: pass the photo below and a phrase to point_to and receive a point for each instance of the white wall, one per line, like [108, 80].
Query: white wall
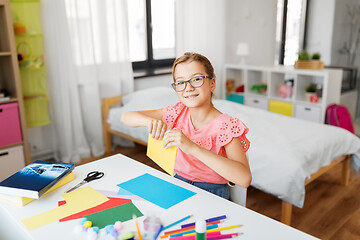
[253, 22]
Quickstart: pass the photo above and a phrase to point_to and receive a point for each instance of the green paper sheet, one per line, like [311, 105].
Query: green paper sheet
[110, 216]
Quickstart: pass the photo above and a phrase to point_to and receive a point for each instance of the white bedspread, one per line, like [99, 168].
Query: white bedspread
[283, 152]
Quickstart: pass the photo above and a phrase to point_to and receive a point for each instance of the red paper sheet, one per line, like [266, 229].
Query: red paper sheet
[113, 202]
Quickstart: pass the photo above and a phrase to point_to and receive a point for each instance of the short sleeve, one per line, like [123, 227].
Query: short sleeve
[230, 128]
[171, 113]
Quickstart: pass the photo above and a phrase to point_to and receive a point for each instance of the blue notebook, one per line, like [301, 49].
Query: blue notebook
[35, 179]
[156, 190]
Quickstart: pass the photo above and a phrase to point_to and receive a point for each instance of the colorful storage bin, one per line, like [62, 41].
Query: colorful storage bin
[235, 98]
[10, 129]
[280, 107]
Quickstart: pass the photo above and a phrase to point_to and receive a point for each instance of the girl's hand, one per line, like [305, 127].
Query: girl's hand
[174, 138]
[157, 128]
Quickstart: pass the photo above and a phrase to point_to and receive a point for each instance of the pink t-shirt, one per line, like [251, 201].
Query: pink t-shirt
[213, 136]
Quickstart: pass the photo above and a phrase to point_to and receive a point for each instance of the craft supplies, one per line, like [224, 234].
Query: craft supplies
[151, 226]
[213, 226]
[118, 225]
[137, 227]
[87, 224]
[200, 229]
[207, 220]
[158, 232]
[128, 236]
[177, 222]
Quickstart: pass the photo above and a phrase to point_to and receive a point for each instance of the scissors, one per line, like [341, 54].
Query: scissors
[90, 177]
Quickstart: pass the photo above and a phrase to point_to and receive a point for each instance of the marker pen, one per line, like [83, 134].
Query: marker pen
[200, 229]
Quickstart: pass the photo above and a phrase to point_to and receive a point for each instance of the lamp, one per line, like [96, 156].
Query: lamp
[242, 50]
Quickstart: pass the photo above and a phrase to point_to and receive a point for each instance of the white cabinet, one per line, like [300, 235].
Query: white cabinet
[11, 161]
[306, 112]
[257, 102]
[281, 89]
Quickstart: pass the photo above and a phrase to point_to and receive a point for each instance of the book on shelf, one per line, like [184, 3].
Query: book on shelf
[3, 99]
[35, 179]
[22, 201]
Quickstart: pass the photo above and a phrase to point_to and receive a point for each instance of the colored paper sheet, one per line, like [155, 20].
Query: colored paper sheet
[121, 213]
[156, 190]
[163, 157]
[77, 201]
[113, 202]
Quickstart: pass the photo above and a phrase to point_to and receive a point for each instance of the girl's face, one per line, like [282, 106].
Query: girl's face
[194, 97]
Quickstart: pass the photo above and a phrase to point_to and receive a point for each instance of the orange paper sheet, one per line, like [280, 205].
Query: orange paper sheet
[76, 201]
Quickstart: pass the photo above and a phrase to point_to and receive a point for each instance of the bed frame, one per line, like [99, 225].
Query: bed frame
[286, 208]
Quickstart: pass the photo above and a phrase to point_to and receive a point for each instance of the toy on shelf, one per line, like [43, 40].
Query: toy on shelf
[259, 88]
[230, 86]
[285, 90]
[25, 58]
[19, 28]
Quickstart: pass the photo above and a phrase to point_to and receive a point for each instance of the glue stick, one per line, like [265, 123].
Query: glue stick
[200, 229]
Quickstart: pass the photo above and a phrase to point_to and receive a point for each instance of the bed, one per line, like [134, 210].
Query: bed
[285, 153]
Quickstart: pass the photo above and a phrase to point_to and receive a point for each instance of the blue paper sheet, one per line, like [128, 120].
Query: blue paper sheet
[156, 190]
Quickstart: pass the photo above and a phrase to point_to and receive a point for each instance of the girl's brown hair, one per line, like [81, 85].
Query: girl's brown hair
[190, 57]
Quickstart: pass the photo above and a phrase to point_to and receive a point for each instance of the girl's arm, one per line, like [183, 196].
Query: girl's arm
[149, 118]
[234, 168]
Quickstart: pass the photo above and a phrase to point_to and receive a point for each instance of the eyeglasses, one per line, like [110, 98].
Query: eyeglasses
[195, 82]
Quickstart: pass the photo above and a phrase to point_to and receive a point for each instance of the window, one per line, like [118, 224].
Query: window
[291, 30]
[151, 34]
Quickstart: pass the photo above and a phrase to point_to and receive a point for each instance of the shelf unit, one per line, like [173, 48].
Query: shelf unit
[296, 103]
[14, 155]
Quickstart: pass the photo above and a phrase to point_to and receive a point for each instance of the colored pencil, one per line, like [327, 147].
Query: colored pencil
[217, 229]
[193, 237]
[177, 222]
[224, 236]
[207, 220]
[159, 231]
[137, 227]
[214, 226]
[166, 234]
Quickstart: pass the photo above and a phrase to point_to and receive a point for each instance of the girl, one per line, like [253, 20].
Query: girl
[211, 145]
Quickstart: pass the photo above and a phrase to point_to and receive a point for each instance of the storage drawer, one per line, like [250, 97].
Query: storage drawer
[256, 102]
[11, 161]
[310, 113]
[284, 108]
[10, 130]
[235, 98]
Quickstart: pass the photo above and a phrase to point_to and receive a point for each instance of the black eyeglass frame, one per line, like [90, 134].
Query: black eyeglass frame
[189, 81]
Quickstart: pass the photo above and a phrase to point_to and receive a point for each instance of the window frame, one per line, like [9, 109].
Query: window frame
[150, 66]
[303, 32]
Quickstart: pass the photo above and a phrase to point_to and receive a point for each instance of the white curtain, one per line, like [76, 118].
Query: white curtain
[87, 58]
[200, 27]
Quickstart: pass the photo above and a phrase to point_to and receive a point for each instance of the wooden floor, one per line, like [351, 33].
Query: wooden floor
[331, 210]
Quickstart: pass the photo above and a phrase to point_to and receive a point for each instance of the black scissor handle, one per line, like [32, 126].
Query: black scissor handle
[93, 175]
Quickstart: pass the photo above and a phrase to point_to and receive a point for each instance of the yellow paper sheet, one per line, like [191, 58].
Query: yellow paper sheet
[163, 157]
[76, 201]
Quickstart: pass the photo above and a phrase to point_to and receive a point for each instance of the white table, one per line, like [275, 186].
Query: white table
[119, 168]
